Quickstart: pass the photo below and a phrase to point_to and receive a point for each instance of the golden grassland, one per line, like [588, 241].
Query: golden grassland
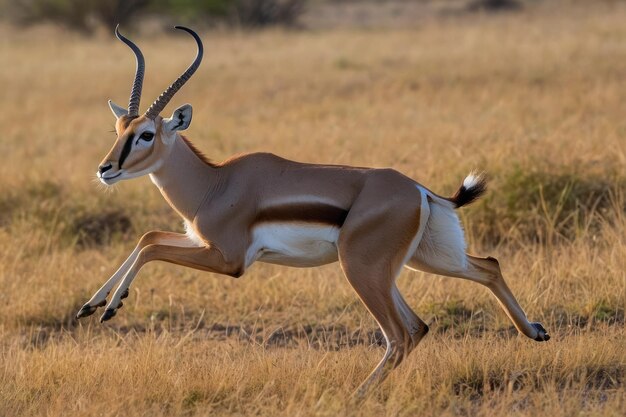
[537, 99]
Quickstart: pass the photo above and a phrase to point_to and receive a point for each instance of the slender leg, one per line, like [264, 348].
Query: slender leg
[99, 298]
[479, 268]
[203, 258]
[372, 251]
[486, 271]
[402, 328]
[416, 327]
[375, 291]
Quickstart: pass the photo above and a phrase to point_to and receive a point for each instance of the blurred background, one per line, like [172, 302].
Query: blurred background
[89, 16]
[531, 91]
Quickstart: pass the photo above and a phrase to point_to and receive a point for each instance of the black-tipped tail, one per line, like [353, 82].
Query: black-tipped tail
[474, 186]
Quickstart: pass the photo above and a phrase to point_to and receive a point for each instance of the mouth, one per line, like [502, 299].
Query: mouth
[108, 180]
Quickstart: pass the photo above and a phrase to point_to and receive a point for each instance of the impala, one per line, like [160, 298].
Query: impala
[260, 207]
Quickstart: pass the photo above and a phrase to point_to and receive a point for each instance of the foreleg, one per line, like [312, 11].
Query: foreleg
[206, 258]
[99, 298]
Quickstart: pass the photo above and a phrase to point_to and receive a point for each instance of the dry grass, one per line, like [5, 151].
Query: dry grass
[537, 92]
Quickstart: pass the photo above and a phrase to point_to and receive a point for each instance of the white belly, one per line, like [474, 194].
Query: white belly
[293, 244]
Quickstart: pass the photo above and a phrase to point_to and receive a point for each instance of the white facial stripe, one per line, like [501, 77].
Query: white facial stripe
[134, 141]
[147, 126]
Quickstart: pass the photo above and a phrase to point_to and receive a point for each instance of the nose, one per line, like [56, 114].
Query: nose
[104, 168]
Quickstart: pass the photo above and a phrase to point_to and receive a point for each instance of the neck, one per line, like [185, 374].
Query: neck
[184, 179]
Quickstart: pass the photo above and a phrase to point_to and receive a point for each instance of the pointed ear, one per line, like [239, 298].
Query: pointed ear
[118, 111]
[180, 120]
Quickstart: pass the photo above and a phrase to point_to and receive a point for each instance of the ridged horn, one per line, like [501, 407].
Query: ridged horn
[160, 103]
[135, 93]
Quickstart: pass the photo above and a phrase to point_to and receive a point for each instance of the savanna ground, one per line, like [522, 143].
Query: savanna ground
[536, 98]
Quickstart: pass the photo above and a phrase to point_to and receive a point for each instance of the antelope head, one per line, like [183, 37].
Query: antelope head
[144, 142]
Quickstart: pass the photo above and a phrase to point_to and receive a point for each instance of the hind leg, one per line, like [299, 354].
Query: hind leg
[416, 327]
[485, 271]
[371, 252]
[402, 328]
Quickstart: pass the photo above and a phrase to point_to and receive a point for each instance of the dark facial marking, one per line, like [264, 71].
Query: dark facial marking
[305, 212]
[126, 150]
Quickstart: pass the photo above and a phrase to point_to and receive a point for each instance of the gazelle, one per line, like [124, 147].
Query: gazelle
[260, 207]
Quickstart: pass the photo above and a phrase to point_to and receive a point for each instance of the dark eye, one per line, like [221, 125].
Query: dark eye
[147, 136]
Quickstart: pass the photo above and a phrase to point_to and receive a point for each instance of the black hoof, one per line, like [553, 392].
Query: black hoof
[88, 310]
[542, 334]
[85, 311]
[125, 294]
[108, 315]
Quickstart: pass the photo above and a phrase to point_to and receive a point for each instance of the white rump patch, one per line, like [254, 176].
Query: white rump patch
[293, 244]
[443, 243]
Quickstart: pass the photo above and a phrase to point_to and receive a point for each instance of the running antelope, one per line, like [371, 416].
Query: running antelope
[260, 207]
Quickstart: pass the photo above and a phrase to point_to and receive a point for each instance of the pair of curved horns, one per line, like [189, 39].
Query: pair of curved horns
[160, 103]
